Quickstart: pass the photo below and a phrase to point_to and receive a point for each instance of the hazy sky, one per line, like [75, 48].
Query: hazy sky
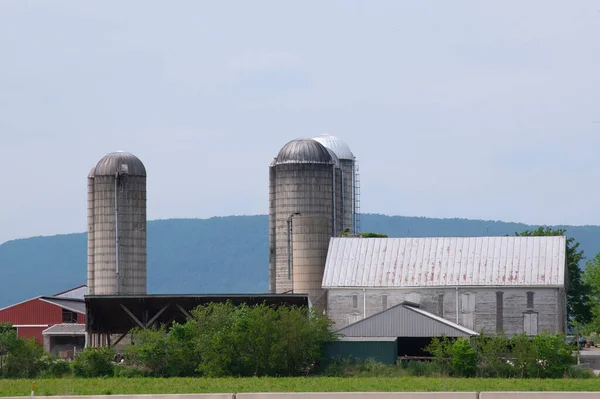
[474, 109]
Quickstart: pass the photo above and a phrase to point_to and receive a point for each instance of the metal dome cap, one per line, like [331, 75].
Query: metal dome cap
[112, 162]
[339, 147]
[304, 151]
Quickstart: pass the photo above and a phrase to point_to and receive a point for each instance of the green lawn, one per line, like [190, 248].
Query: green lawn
[113, 386]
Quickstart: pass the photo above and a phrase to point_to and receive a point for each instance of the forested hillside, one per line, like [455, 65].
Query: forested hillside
[217, 255]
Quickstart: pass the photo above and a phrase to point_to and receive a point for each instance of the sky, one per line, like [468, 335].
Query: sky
[470, 109]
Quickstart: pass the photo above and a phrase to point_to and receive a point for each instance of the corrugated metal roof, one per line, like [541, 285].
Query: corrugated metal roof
[367, 339]
[74, 293]
[445, 261]
[336, 145]
[74, 305]
[108, 165]
[304, 151]
[405, 321]
[65, 329]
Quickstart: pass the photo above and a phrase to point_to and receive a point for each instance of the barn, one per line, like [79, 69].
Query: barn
[491, 284]
[57, 322]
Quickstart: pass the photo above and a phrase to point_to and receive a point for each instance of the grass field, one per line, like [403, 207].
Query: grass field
[114, 386]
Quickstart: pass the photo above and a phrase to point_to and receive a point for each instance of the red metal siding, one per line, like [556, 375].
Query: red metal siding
[32, 332]
[34, 312]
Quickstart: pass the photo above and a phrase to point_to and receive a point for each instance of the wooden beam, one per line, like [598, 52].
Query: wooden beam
[185, 312]
[119, 339]
[156, 316]
[132, 316]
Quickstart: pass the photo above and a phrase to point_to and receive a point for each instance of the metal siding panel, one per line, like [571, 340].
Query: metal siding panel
[377, 273]
[424, 266]
[522, 261]
[32, 332]
[534, 269]
[412, 264]
[451, 252]
[420, 268]
[338, 273]
[437, 265]
[382, 277]
[32, 312]
[546, 276]
[510, 257]
[494, 259]
[560, 275]
[372, 256]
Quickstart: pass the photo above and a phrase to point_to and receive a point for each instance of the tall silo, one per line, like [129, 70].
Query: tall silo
[90, 237]
[350, 181]
[310, 243]
[302, 183]
[117, 226]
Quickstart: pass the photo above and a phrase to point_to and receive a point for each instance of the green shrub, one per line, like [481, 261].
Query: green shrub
[416, 368]
[464, 358]
[94, 362]
[25, 359]
[493, 355]
[58, 368]
[123, 371]
[441, 350]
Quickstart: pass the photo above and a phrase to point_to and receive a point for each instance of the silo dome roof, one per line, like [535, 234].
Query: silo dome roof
[304, 151]
[108, 165]
[336, 145]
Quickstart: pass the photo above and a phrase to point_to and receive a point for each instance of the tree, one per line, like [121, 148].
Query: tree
[591, 277]
[259, 340]
[578, 292]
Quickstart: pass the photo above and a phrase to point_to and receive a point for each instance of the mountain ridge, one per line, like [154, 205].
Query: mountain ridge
[189, 255]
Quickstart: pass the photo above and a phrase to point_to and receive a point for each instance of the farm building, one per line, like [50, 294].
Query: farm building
[401, 331]
[57, 322]
[490, 284]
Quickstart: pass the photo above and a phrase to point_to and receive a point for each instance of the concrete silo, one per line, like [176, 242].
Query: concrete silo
[302, 184]
[310, 240]
[117, 226]
[350, 181]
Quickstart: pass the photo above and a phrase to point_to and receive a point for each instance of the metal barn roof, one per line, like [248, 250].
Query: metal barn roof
[74, 293]
[445, 261]
[336, 145]
[367, 339]
[304, 151]
[109, 164]
[74, 305]
[65, 329]
[404, 321]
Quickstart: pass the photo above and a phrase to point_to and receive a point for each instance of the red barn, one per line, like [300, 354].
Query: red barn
[34, 316]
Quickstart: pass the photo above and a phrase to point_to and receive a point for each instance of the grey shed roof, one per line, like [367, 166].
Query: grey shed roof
[108, 165]
[304, 151]
[336, 145]
[74, 305]
[445, 261]
[405, 321]
[65, 329]
[367, 339]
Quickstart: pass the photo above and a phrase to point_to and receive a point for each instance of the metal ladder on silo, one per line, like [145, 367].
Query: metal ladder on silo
[356, 198]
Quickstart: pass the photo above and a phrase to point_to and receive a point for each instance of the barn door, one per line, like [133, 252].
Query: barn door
[530, 323]
[467, 301]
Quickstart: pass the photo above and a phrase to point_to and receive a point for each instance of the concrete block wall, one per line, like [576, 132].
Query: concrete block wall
[476, 306]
